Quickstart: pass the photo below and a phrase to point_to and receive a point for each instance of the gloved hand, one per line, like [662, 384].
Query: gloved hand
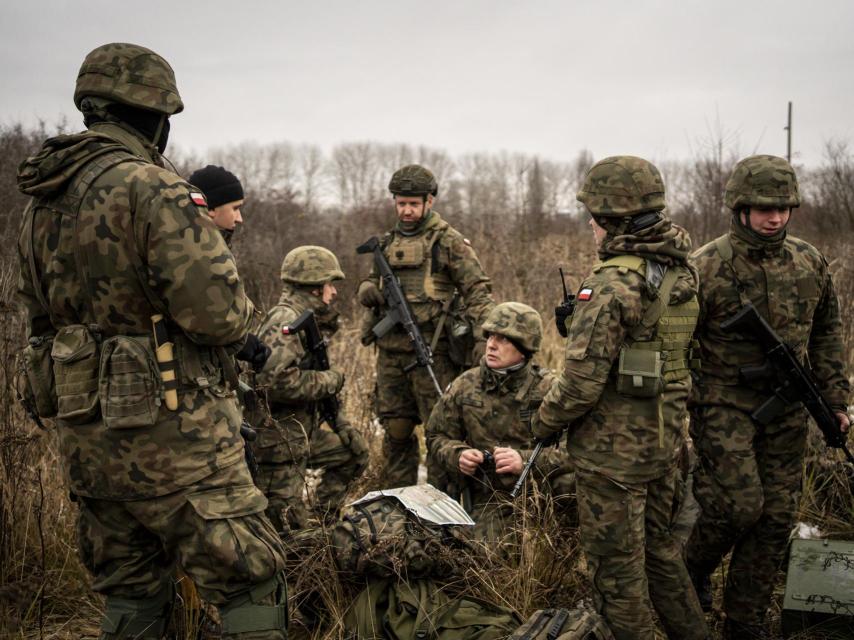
[254, 352]
[542, 433]
[369, 294]
[358, 446]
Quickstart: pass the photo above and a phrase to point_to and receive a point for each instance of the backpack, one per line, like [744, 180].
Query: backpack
[408, 532]
[580, 623]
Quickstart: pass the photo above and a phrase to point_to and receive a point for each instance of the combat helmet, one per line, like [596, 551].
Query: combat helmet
[516, 321]
[622, 186]
[129, 74]
[311, 265]
[762, 181]
[413, 180]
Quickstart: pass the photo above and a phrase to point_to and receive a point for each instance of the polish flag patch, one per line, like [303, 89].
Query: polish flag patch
[585, 294]
[198, 199]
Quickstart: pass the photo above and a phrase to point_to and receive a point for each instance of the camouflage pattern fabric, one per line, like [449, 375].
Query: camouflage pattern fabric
[413, 180]
[482, 410]
[749, 478]
[622, 186]
[762, 181]
[516, 321]
[632, 556]
[311, 265]
[625, 449]
[447, 264]
[129, 74]
[137, 205]
[296, 441]
[216, 531]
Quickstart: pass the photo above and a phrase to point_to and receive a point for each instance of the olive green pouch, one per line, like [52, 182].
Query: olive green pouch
[34, 379]
[639, 373]
[75, 355]
[129, 382]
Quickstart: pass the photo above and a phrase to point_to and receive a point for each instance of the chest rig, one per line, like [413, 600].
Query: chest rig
[416, 263]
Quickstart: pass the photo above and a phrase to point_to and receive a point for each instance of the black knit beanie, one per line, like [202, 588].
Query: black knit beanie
[219, 185]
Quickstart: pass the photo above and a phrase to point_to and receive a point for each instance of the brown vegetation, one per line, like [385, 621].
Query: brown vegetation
[519, 214]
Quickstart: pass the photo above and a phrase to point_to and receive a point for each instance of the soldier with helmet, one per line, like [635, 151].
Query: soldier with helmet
[299, 441]
[481, 428]
[622, 396]
[748, 479]
[450, 296]
[118, 256]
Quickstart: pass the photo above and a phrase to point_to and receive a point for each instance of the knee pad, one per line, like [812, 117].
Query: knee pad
[398, 431]
[144, 618]
[263, 608]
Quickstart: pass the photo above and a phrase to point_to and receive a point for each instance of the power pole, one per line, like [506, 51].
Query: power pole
[788, 129]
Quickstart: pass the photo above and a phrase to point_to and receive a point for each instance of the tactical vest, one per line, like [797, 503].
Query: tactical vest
[415, 261]
[660, 349]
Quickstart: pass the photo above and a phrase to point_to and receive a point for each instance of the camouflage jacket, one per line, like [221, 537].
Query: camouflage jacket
[789, 283]
[135, 220]
[483, 410]
[433, 264]
[292, 391]
[630, 439]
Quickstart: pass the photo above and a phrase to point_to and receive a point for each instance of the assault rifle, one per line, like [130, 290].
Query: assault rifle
[551, 441]
[318, 360]
[399, 312]
[797, 383]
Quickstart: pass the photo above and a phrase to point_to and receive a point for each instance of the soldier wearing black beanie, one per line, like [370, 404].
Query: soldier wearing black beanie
[219, 185]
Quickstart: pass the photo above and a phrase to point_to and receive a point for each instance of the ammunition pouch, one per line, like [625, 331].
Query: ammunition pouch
[34, 381]
[76, 356]
[639, 373]
[129, 383]
[198, 366]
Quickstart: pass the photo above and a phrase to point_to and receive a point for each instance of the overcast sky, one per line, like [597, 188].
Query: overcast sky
[650, 78]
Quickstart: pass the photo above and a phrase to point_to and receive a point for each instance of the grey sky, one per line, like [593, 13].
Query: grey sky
[642, 77]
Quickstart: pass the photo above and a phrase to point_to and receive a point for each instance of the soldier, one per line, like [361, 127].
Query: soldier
[488, 410]
[224, 194]
[623, 394]
[749, 476]
[309, 274]
[109, 240]
[441, 276]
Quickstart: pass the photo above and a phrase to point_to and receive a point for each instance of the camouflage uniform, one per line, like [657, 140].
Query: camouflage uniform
[434, 263]
[622, 395]
[484, 409]
[110, 239]
[298, 441]
[748, 480]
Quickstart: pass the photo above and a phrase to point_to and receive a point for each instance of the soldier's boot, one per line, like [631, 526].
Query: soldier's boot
[401, 453]
[259, 614]
[142, 619]
[703, 586]
[734, 630]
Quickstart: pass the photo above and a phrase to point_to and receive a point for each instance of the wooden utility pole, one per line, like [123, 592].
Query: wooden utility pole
[788, 129]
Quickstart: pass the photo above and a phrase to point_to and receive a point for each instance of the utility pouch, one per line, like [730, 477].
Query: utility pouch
[76, 355]
[639, 373]
[406, 253]
[129, 382]
[34, 380]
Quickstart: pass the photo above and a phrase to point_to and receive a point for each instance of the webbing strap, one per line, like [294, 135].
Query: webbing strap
[255, 617]
[653, 312]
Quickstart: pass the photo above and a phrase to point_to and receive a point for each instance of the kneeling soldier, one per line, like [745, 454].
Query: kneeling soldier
[294, 393]
[486, 413]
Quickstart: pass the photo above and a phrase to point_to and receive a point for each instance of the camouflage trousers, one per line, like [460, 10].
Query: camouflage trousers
[215, 531]
[285, 483]
[748, 485]
[404, 400]
[633, 557]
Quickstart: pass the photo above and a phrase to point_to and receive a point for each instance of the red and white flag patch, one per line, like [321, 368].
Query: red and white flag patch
[585, 294]
[198, 199]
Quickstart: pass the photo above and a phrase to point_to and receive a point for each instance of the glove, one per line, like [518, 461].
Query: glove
[358, 446]
[337, 379]
[255, 352]
[369, 294]
[542, 433]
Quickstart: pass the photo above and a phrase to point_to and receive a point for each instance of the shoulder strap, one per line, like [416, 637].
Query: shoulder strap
[31, 257]
[632, 263]
[724, 248]
[653, 312]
